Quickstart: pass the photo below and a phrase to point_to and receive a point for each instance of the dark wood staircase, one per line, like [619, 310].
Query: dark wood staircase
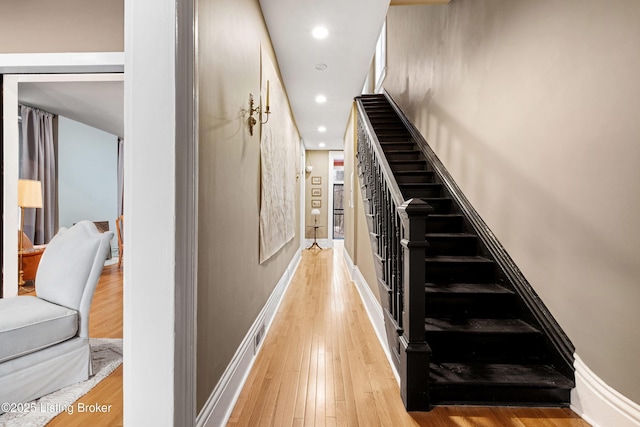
[488, 339]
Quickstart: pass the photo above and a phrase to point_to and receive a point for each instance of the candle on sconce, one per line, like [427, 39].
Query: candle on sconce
[267, 95]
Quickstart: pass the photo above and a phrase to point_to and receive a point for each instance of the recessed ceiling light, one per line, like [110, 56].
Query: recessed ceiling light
[320, 99]
[320, 32]
[321, 67]
[321, 145]
[322, 129]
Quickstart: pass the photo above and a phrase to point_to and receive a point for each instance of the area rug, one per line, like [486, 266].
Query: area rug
[107, 356]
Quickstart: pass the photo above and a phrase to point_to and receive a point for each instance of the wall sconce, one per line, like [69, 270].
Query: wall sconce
[257, 110]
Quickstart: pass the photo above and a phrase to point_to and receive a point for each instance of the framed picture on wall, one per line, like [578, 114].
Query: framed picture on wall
[316, 192]
[316, 204]
[316, 180]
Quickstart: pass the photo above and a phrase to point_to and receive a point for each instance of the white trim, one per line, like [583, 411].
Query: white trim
[151, 297]
[598, 403]
[218, 408]
[10, 215]
[76, 62]
[373, 308]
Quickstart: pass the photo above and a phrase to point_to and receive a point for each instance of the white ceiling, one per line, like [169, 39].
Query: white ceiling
[354, 27]
[95, 103]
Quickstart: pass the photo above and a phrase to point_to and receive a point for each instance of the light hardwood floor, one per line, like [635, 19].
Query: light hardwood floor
[105, 321]
[321, 365]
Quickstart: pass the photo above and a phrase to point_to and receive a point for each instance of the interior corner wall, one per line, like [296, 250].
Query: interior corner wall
[533, 108]
[357, 240]
[62, 26]
[233, 286]
[87, 174]
[319, 159]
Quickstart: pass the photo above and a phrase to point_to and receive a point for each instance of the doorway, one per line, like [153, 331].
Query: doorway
[336, 195]
[338, 211]
[11, 98]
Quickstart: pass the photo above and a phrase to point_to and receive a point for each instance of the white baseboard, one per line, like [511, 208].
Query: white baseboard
[373, 308]
[598, 403]
[218, 408]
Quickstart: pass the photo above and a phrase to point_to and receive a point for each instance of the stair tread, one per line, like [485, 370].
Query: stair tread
[413, 172]
[407, 161]
[458, 258]
[479, 326]
[466, 288]
[452, 235]
[419, 184]
[498, 374]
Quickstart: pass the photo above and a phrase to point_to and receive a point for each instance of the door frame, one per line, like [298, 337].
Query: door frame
[9, 66]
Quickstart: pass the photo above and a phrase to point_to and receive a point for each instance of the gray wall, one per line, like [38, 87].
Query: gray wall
[87, 174]
[357, 241]
[61, 26]
[533, 107]
[232, 286]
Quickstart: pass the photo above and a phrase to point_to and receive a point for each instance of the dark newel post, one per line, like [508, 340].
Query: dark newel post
[414, 351]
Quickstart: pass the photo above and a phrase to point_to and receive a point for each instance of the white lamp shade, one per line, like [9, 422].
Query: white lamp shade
[315, 211]
[29, 193]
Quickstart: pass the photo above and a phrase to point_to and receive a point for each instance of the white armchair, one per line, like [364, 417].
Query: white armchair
[44, 339]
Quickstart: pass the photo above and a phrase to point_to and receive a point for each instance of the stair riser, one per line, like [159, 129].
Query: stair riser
[440, 206]
[404, 155]
[471, 306]
[409, 166]
[444, 224]
[453, 245]
[500, 396]
[394, 138]
[392, 146]
[461, 272]
[418, 178]
[421, 192]
[494, 348]
[390, 126]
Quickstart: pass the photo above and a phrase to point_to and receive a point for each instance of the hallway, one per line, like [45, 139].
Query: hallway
[321, 364]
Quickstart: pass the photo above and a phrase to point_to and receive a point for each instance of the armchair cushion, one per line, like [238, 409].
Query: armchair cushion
[80, 257]
[29, 324]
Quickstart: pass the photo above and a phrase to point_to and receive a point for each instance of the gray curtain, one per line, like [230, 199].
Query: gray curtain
[120, 176]
[38, 161]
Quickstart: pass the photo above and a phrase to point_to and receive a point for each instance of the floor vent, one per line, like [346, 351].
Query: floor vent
[257, 340]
